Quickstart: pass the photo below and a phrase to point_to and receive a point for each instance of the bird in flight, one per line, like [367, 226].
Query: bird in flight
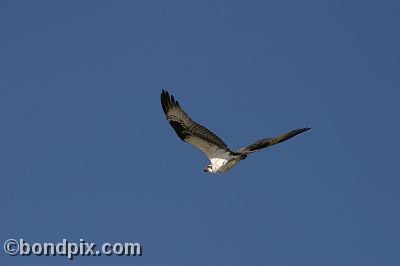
[221, 157]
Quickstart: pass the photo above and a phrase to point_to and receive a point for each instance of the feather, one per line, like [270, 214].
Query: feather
[264, 143]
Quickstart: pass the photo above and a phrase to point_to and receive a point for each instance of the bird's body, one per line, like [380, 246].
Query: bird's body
[219, 165]
[221, 157]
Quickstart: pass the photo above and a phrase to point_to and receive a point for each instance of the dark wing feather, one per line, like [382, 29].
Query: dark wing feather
[261, 144]
[188, 130]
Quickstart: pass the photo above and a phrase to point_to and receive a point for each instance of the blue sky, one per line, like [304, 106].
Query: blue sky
[85, 150]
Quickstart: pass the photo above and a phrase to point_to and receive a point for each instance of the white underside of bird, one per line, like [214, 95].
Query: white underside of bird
[221, 159]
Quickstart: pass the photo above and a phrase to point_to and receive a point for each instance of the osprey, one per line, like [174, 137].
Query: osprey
[221, 157]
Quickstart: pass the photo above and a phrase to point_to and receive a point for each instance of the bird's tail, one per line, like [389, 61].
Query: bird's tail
[239, 156]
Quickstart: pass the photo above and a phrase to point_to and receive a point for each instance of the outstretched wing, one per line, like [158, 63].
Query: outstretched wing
[189, 131]
[261, 144]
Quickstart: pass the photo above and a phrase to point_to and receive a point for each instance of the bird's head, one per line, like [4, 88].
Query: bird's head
[208, 168]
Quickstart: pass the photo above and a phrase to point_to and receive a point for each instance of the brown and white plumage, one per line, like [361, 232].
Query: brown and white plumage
[221, 157]
[264, 143]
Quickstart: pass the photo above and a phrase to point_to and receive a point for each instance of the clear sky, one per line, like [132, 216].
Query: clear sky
[86, 152]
